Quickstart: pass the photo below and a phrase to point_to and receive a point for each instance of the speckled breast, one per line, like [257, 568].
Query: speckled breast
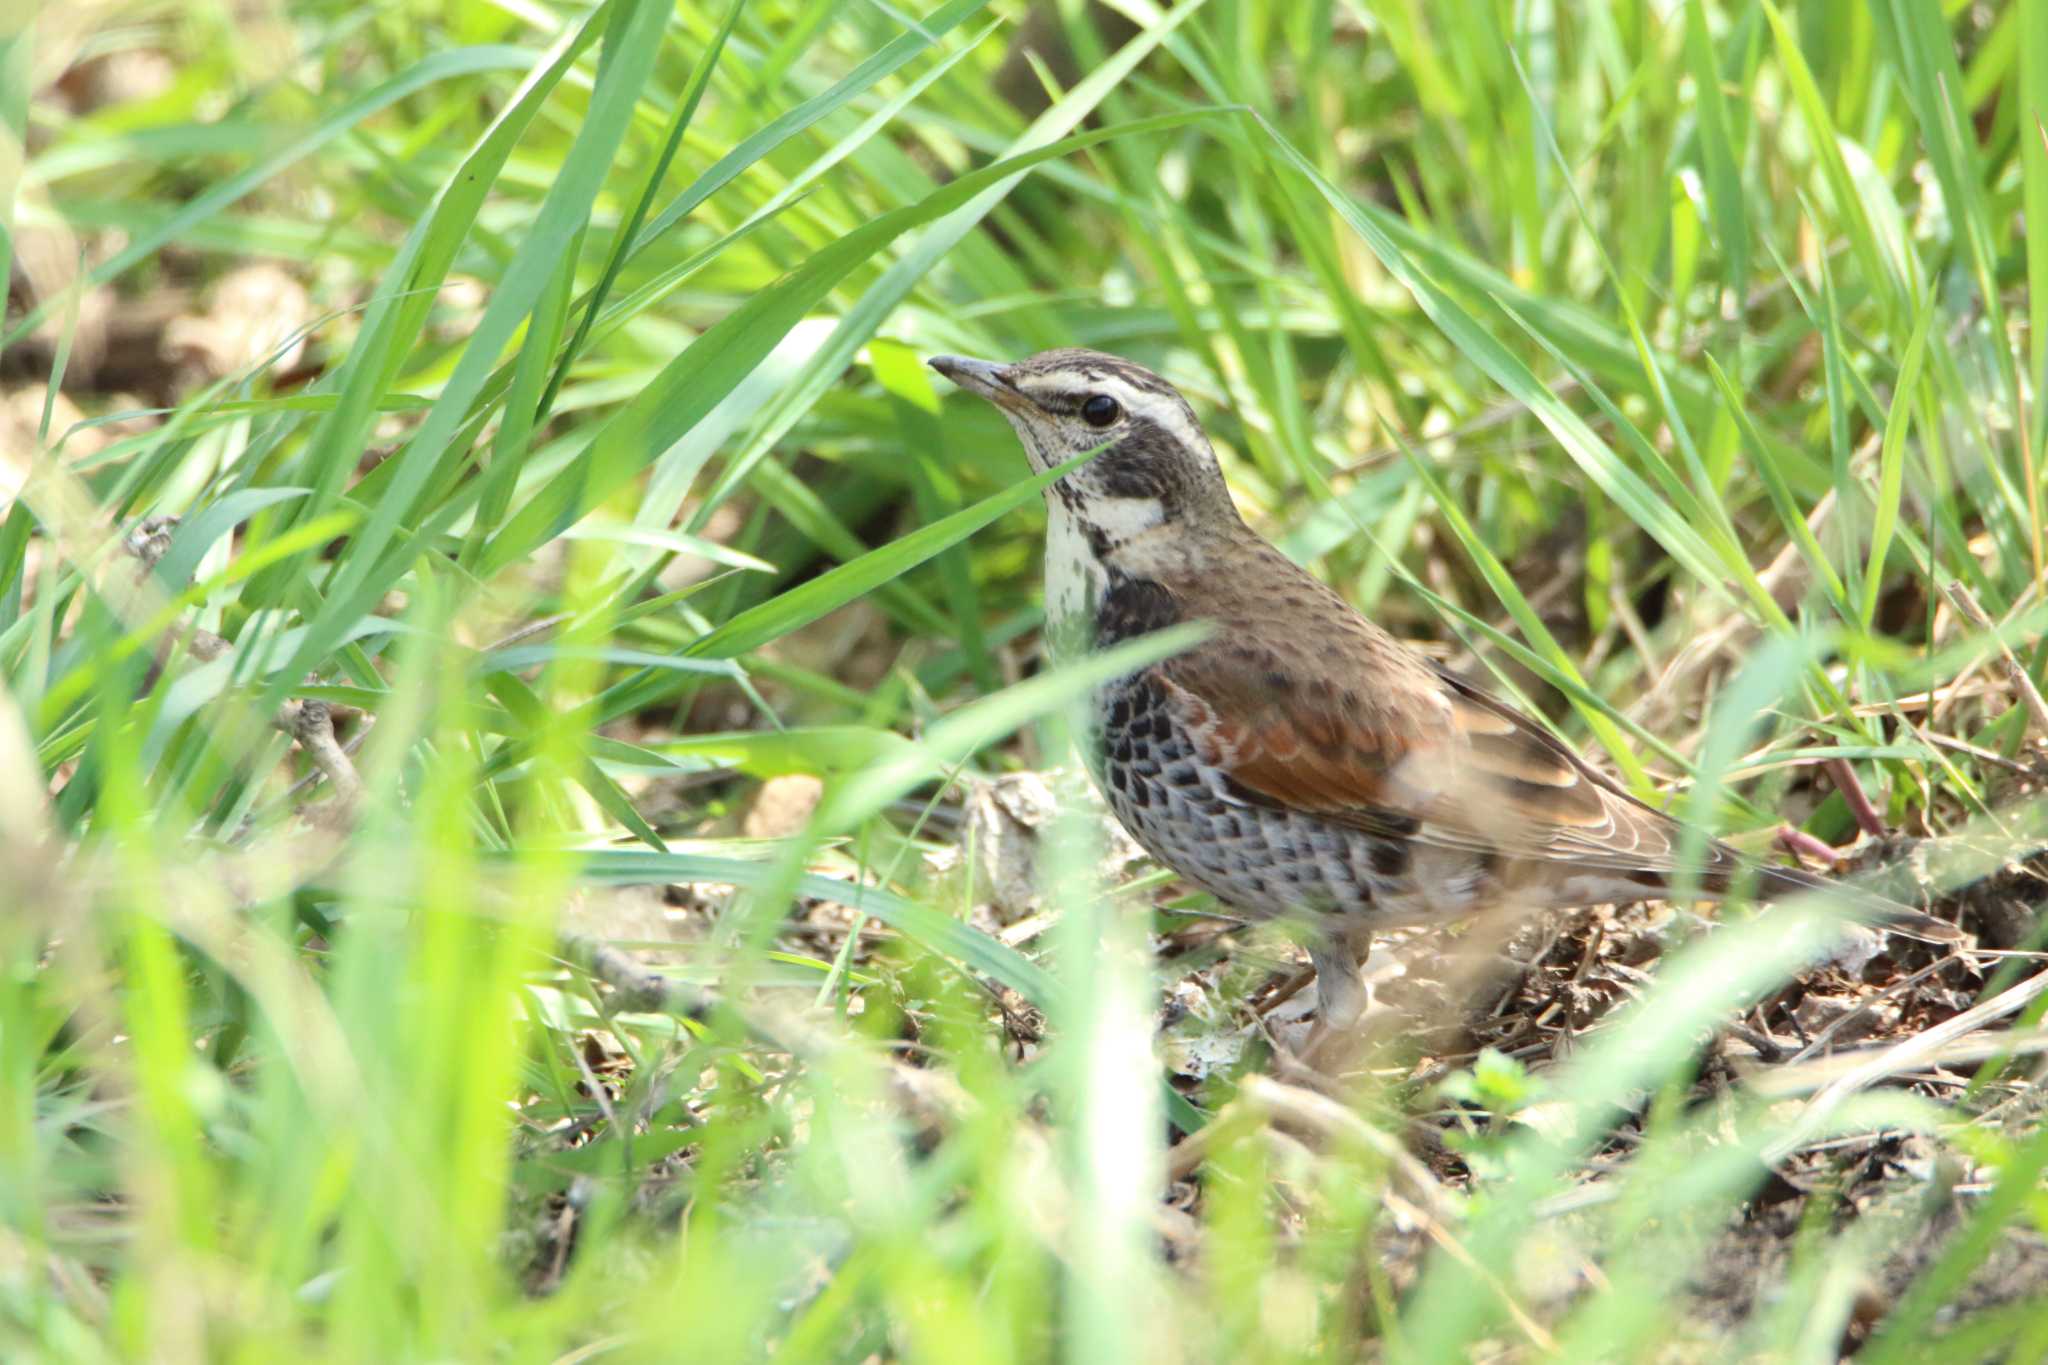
[1260, 860]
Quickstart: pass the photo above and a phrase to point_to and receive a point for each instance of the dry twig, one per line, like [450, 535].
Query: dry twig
[2037, 709]
[1907, 1055]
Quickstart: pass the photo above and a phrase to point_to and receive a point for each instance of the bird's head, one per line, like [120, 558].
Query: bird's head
[1157, 467]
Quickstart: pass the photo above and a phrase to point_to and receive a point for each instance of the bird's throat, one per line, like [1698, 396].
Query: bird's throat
[1074, 584]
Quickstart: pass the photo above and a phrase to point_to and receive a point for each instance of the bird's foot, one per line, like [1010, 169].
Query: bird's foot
[1336, 1048]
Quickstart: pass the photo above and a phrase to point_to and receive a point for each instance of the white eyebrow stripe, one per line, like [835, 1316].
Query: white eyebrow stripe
[1164, 410]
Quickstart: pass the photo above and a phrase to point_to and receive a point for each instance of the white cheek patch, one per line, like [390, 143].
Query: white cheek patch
[1123, 519]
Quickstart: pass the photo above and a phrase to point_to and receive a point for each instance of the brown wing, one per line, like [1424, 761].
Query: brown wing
[1402, 747]
[1575, 810]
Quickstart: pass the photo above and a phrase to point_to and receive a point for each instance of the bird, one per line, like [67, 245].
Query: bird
[1300, 761]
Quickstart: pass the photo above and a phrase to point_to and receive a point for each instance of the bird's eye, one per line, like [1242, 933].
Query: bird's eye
[1100, 410]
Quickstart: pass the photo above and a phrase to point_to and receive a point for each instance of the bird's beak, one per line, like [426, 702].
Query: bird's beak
[983, 377]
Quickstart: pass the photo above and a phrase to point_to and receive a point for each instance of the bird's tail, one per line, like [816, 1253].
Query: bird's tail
[1776, 883]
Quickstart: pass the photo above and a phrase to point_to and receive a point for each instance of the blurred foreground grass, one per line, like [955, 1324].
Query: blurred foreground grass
[536, 389]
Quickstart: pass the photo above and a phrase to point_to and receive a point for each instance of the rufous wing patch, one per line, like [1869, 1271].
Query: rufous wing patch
[1442, 762]
[1315, 761]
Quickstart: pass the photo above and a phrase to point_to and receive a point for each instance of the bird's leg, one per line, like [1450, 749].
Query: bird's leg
[1343, 999]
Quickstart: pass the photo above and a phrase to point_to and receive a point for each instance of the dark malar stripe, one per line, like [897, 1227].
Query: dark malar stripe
[1133, 607]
